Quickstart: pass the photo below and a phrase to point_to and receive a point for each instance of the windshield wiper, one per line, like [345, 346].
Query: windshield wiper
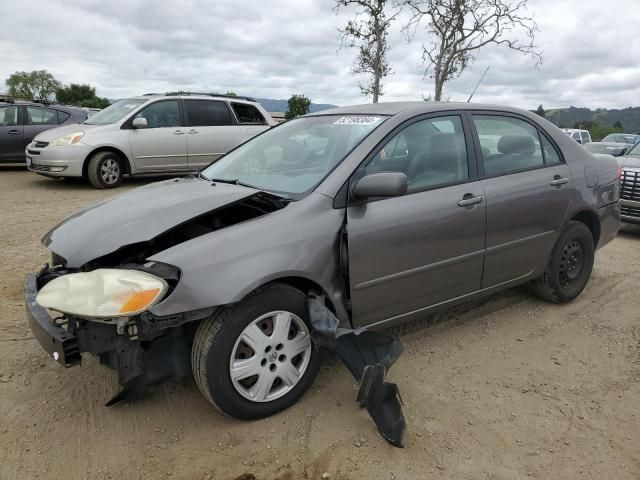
[231, 181]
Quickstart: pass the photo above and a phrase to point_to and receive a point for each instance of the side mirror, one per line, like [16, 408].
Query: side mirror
[382, 184]
[139, 122]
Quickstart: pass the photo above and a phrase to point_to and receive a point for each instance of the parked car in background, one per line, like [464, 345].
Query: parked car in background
[630, 194]
[609, 148]
[580, 136]
[155, 133]
[389, 211]
[21, 121]
[622, 138]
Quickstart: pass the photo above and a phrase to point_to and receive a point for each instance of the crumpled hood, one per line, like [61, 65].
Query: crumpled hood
[58, 132]
[137, 216]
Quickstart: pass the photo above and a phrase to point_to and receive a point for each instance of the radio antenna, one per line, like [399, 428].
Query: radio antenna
[478, 84]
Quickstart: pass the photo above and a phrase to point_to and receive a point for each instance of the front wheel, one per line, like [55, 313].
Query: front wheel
[256, 358]
[105, 170]
[569, 267]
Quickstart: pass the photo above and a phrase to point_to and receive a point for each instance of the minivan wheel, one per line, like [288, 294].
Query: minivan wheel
[569, 267]
[256, 358]
[105, 170]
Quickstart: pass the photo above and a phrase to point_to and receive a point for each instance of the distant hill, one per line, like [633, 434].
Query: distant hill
[568, 117]
[271, 105]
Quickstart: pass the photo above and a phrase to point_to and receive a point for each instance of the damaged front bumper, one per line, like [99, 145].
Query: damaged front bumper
[143, 350]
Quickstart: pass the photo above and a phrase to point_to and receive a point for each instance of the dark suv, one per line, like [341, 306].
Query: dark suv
[21, 121]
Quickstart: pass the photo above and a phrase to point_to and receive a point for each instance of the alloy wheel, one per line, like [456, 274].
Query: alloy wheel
[270, 356]
[110, 171]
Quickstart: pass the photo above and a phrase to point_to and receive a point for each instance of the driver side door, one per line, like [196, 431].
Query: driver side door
[426, 247]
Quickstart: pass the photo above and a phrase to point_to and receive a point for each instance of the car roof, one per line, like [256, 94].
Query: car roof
[195, 96]
[395, 108]
[56, 106]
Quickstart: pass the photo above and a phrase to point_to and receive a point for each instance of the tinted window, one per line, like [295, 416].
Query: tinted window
[62, 116]
[161, 114]
[430, 152]
[247, 113]
[551, 155]
[508, 144]
[8, 116]
[202, 113]
[41, 116]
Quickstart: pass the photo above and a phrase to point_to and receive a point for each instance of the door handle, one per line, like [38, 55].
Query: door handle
[468, 199]
[192, 131]
[558, 181]
[15, 132]
[178, 132]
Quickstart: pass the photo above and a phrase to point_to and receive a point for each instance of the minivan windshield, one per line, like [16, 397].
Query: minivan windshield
[293, 158]
[114, 112]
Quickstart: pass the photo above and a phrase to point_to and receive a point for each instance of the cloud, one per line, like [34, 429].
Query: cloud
[277, 48]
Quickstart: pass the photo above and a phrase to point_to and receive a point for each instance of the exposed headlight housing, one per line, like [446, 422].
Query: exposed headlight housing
[69, 139]
[102, 293]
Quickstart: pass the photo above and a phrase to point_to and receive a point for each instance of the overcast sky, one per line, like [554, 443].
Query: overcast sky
[275, 48]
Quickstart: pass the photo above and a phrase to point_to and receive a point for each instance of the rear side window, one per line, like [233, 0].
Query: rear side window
[248, 114]
[551, 155]
[62, 116]
[41, 116]
[207, 113]
[8, 116]
[161, 114]
[508, 144]
[585, 137]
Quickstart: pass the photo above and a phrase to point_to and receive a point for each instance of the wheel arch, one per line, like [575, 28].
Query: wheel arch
[304, 284]
[123, 157]
[590, 219]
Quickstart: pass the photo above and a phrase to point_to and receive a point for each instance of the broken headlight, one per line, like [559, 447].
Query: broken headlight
[102, 293]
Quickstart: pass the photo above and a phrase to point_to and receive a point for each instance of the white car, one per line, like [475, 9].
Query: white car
[155, 133]
[580, 136]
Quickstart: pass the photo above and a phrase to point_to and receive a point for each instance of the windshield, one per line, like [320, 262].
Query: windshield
[115, 112]
[635, 151]
[296, 156]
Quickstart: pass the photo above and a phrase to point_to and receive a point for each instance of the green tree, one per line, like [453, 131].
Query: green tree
[540, 111]
[35, 85]
[297, 105]
[231, 93]
[82, 95]
[619, 126]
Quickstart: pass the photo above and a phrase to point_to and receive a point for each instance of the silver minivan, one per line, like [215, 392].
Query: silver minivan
[155, 133]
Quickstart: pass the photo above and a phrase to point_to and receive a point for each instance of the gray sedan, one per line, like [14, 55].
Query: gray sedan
[387, 212]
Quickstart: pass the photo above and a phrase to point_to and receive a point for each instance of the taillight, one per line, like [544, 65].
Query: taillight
[618, 172]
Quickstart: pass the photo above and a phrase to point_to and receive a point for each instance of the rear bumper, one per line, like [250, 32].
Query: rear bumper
[609, 223]
[54, 339]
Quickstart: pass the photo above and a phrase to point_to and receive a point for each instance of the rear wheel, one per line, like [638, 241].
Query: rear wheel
[569, 267]
[105, 170]
[256, 358]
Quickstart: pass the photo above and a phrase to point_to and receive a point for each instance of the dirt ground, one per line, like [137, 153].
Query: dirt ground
[511, 388]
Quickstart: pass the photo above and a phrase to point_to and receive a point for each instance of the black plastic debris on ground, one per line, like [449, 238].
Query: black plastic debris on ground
[368, 356]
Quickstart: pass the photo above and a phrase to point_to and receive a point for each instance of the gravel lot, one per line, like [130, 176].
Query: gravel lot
[511, 388]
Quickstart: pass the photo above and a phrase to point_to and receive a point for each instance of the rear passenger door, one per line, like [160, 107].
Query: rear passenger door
[528, 188]
[211, 131]
[36, 120]
[11, 132]
[250, 119]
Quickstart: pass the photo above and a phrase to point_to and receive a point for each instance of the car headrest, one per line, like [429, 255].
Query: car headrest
[442, 142]
[520, 144]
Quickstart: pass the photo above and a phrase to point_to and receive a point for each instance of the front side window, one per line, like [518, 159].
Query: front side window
[296, 156]
[203, 113]
[115, 112]
[62, 116]
[41, 116]
[161, 114]
[508, 144]
[429, 152]
[8, 116]
[585, 137]
[247, 113]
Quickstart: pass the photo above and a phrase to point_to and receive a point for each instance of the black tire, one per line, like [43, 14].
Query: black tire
[215, 341]
[105, 170]
[569, 267]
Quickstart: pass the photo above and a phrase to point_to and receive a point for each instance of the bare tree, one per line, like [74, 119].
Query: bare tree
[459, 28]
[368, 31]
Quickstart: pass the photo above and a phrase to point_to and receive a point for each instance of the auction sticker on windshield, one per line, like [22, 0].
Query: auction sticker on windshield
[358, 120]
